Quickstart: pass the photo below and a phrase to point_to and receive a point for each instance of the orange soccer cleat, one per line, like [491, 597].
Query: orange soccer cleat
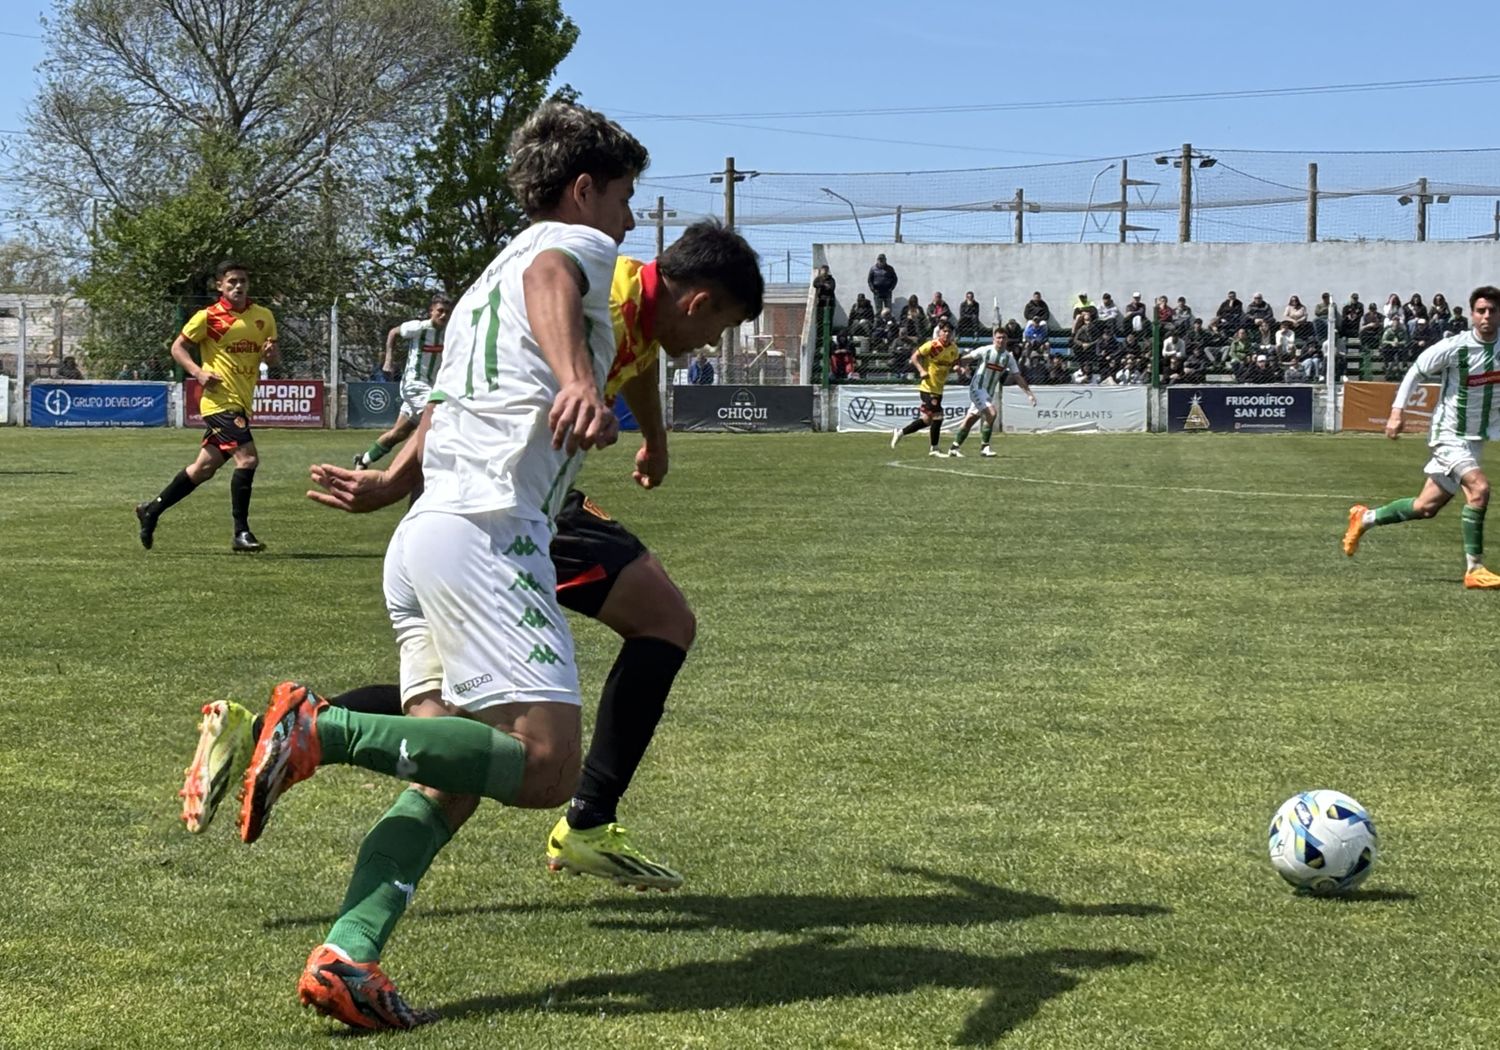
[286, 752]
[1356, 528]
[1481, 579]
[358, 994]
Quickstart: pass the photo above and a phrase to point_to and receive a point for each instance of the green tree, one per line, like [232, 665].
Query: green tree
[452, 211]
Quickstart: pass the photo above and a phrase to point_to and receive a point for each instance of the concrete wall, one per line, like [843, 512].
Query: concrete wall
[1201, 272]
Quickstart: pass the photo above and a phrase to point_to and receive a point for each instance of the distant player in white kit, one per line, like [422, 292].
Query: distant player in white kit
[424, 355]
[1467, 415]
[992, 365]
[486, 654]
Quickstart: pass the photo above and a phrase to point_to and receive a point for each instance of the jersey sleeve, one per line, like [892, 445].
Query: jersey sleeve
[196, 329]
[412, 329]
[1431, 362]
[594, 253]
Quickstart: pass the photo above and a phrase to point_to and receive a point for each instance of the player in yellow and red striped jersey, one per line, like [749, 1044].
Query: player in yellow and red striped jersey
[232, 337]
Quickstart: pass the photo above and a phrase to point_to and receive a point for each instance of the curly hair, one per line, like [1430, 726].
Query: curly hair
[560, 142]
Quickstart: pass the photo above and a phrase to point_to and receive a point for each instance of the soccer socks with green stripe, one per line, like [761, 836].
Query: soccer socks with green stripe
[963, 432]
[1393, 513]
[392, 859]
[458, 755]
[985, 432]
[1473, 522]
[375, 453]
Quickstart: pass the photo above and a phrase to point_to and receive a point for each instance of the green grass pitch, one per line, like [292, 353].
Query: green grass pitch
[969, 752]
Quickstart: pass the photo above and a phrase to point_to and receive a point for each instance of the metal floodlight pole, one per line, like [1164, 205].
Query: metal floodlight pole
[729, 192]
[1312, 203]
[1185, 207]
[1020, 215]
[1124, 197]
[1422, 199]
[852, 211]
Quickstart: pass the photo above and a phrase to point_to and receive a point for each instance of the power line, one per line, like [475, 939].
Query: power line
[1083, 103]
[23, 36]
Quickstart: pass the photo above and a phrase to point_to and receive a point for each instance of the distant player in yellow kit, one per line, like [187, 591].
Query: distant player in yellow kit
[933, 360]
[232, 337]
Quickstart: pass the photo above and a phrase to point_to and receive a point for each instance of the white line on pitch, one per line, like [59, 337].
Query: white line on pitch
[1115, 484]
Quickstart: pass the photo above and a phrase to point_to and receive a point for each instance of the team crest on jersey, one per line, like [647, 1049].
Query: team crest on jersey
[259, 323]
[596, 510]
[239, 421]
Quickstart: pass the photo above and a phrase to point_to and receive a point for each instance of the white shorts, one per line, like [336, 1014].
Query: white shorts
[414, 396]
[980, 399]
[473, 599]
[1450, 461]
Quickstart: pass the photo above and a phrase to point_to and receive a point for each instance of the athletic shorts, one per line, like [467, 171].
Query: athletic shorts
[414, 397]
[980, 399]
[589, 551]
[473, 599]
[932, 404]
[1450, 461]
[226, 431]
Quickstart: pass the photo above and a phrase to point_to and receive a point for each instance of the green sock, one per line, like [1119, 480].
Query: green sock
[1396, 511]
[1473, 519]
[376, 452]
[958, 439]
[985, 433]
[392, 860]
[458, 755]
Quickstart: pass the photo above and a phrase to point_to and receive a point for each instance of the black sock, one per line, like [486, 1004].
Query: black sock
[176, 491]
[912, 427]
[367, 699]
[937, 431]
[239, 497]
[635, 694]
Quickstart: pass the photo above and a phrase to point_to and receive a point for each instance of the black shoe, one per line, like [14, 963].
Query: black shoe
[148, 523]
[246, 541]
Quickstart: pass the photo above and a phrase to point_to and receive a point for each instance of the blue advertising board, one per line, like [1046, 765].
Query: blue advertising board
[1265, 408]
[75, 404]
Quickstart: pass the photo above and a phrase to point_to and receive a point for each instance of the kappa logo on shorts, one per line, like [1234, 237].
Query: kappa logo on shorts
[522, 545]
[473, 683]
[543, 654]
[533, 618]
[525, 582]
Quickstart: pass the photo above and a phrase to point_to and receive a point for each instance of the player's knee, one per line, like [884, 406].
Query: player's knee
[200, 470]
[246, 461]
[1478, 494]
[551, 774]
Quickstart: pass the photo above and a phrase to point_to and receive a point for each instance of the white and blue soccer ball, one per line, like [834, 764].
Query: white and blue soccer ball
[1322, 842]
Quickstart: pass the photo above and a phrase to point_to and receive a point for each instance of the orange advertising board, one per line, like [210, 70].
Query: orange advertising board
[1368, 405]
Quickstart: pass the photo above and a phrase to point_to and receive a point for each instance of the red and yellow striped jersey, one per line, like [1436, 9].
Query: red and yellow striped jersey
[633, 296]
[230, 345]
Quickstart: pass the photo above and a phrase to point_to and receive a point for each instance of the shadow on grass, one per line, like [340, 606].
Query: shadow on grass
[1017, 985]
[968, 902]
[1368, 897]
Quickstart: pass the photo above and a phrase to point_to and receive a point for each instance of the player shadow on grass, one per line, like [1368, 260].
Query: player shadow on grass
[1017, 985]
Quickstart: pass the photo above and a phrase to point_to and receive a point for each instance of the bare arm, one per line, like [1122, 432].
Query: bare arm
[579, 418]
[644, 398]
[390, 350]
[360, 491]
[272, 352]
[919, 362]
[182, 353]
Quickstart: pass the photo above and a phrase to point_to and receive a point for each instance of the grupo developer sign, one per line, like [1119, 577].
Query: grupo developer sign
[278, 403]
[743, 409]
[75, 404]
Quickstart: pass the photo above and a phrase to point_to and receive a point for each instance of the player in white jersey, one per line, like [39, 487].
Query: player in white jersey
[424, 354]
[1467, 415]
[993, 364]
[469, 582]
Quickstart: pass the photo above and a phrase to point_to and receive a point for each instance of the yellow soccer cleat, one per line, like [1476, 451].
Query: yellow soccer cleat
[606, 853]
[1356, 528]
[223, 748]
[1481, 579]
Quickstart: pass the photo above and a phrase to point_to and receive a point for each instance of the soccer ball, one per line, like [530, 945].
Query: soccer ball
[1322, 842]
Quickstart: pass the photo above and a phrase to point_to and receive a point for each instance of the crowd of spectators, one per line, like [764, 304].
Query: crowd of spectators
[1104, 342]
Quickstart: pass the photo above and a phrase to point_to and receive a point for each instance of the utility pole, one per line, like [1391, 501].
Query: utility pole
[1422, 209]
[1497, 221]
[1020, 212]
[1312, 203]
[729, 192]
[898, 224]
[1124, 197]
[661, 225]
[1185, 206]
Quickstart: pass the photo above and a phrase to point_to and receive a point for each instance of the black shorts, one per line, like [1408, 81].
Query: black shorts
[226, 431]
[589, 551]
[932, 404]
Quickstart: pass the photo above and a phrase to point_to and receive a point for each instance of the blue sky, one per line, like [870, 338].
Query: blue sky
[695, 81]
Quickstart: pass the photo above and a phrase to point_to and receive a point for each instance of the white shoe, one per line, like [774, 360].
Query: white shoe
[895, 436]
[935, 452]
[955, 453]
[987, 452]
